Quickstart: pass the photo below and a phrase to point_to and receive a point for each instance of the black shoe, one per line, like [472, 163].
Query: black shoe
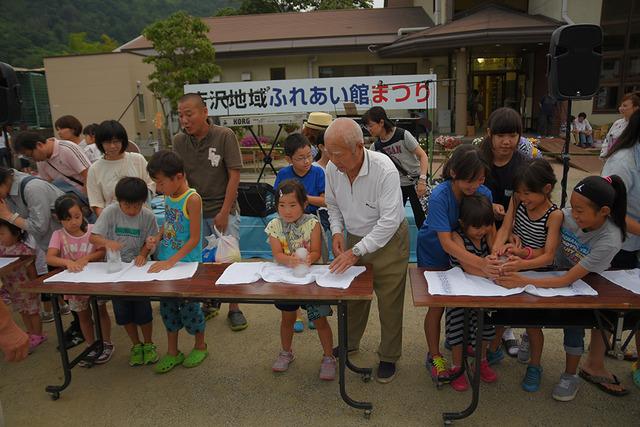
[350, 351]
[72, 339]
[386, 372]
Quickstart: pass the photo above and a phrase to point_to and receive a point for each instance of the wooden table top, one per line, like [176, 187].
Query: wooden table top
[202, 285]
[610, 296]
[23, 261]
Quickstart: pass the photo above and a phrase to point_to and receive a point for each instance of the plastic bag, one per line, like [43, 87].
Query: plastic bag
[221, 248]
[114, 261]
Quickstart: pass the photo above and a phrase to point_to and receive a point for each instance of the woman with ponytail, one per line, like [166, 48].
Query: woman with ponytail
[592, 233]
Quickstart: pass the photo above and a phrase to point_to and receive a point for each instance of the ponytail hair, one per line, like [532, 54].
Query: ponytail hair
[607, 191]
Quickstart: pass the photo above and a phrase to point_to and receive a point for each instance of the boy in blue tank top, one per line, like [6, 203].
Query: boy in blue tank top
[180, 239]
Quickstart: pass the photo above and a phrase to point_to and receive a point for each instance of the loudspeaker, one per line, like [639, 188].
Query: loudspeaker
[574, 61]
[256, 199]
[10, 102]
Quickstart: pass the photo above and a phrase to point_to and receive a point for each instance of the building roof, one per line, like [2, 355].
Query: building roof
[316, 29]
[487, 24]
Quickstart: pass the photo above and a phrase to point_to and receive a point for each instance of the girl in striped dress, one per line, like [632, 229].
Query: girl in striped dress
[475, 235]
[528, 239]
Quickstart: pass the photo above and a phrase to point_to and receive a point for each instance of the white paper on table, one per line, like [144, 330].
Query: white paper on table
[6, 261]
[628, 279]
[456, 282]
[249, 272]
[240, 273]
[96, 272]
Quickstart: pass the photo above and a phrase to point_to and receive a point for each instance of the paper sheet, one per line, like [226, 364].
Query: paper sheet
[456, 282]
[628, 279]
[6, 261]
[96, 272]
[243, 272]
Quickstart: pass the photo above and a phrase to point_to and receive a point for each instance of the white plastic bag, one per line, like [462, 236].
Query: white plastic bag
[228, 247]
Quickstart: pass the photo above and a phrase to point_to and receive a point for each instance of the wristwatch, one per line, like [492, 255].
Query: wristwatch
[356, 251]
[423, 178]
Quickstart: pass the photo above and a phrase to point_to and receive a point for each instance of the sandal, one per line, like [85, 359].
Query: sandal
[601, 381]
[168, 362]
[195, 358]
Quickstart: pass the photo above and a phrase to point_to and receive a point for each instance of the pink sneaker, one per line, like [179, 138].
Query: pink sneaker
[283, 361]
[487, 374]
[35, 340]
[328, 368]
[460, 383]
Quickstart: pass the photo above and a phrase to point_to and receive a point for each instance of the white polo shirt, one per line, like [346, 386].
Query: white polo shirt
[371, 207]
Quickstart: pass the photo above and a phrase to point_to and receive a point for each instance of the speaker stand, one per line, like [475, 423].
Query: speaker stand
[565, 156]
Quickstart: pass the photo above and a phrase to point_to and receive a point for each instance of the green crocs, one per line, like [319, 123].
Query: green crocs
[168, 362]
[195, 358]
[136, 357]
[150, 353]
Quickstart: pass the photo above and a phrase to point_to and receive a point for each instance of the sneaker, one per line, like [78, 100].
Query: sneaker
[337, 355]
[437, 367]
[210, 309]
[65, 310]
[72, 338]
[237, 321]
[386, 372]
[567, 388]
[459, 384]
[46, 317]
[487, 374]
[107, 352]
[494, 357]
[328, 368]
[136, 357]
[150, 353]
[89, 360]
[35, 340]
[298, 326]
[283, 361]
[523, 350]
[532, 378]
[311, 325]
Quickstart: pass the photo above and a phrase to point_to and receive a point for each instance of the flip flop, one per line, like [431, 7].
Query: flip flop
[195, 358]
[601, 381]
[168, 362]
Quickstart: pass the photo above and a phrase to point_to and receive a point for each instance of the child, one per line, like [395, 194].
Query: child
[91, 149]
[70, 248]
[297, 150]
[583, 131]
[26, 303]
[592, 232]
[474, 236]
[535, 222]
[124, 227]
[292, 230]
[464, 174]
[180, 239]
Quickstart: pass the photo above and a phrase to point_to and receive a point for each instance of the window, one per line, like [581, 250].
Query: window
[278, 74]
[620, 72]
[142, 116]
[368, 70]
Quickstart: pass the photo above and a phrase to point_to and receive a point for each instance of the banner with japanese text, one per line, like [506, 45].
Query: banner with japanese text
[327, 94]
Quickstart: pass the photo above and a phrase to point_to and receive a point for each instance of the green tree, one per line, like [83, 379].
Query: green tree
[78, 43]
[248, 7]
[184, 55]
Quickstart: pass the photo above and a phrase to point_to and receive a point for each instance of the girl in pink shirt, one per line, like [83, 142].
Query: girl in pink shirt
[25, 303]
[70, 248]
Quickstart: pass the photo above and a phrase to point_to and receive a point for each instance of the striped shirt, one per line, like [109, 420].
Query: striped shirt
[533, 233]
[482, 252]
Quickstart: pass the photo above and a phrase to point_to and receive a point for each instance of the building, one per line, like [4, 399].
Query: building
[495, 47]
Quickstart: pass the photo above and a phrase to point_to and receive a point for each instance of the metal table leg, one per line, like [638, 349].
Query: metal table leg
[344, 362]
[474, 378]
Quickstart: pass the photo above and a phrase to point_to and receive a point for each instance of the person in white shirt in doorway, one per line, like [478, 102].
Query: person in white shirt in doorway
[364, 200]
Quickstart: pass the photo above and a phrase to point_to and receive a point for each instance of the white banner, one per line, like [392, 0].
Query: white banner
[306, 95]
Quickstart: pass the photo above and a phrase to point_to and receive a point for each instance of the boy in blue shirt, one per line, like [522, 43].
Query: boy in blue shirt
[297, 151]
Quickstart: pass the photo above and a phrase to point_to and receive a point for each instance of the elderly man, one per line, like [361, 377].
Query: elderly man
[364, 199]
[213, 161]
